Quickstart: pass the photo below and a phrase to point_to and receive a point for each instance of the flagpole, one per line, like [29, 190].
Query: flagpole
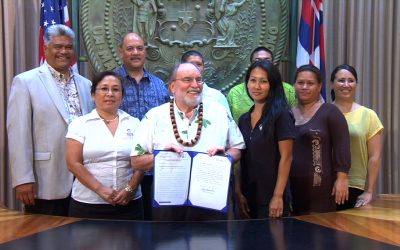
[294, 6]
[75, 28]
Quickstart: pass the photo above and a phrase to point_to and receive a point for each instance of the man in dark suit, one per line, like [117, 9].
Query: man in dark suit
[42, 102]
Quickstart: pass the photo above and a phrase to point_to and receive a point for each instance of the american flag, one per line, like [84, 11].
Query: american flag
[310, 46]
[51, 12]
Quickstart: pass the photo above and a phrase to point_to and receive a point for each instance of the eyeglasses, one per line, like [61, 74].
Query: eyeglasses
[189, 80]
[105, 90]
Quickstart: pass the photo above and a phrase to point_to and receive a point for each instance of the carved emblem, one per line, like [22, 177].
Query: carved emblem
[224, 31]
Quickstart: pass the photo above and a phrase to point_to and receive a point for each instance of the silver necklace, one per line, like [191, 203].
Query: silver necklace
[109, 121]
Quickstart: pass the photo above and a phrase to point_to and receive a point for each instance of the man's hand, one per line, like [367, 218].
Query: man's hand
[177, 148]
[26, 193]
[215, 150]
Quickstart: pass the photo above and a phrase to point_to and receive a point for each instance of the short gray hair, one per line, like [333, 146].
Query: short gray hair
[58, 30]
[174, 71]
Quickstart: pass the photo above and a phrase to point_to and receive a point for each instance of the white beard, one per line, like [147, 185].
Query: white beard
[192, 102]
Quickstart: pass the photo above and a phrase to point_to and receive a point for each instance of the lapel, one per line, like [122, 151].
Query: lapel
[82, 93]
[48, 82]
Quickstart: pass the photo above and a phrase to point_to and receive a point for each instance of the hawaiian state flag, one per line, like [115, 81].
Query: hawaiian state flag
[51, 12]
[310, 46]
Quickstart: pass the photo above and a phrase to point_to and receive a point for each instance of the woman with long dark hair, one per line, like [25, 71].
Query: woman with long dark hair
[268, 131]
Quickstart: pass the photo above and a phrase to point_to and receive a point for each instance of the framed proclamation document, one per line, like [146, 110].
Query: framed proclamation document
[191, 179]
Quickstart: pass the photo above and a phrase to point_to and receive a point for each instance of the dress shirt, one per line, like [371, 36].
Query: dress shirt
[215, 95]
[68, 92]
[105, 156]
[140, 97]
[155, 130]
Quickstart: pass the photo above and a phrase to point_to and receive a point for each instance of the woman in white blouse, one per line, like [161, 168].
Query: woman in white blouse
[98, 154]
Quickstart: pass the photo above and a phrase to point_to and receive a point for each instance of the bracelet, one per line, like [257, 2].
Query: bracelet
[129, 189]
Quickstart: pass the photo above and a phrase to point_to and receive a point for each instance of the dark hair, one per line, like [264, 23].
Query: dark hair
[121, 41]
[100, 76]
[261, 48]
[344, 66]
[276, 100]
[190, 53]
[311, 68]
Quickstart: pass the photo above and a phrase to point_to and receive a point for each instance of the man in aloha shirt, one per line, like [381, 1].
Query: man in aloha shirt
[219, 135]
[238, 99]
[143, 91]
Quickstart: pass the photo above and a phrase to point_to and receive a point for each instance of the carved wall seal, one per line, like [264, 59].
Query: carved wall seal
[224, 31]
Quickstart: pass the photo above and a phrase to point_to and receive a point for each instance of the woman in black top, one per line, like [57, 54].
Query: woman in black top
[321, 153]
[268, 131]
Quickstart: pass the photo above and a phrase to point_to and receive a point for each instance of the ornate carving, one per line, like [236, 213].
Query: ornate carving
[224, 31]
[226, 23]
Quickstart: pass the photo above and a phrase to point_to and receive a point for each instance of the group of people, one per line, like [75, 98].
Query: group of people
[311, 157]
[85, 149]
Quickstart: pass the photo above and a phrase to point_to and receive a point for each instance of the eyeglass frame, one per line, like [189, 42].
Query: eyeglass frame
[189, 80]
[106, 90]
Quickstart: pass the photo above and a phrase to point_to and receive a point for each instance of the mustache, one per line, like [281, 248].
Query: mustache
[198, 90]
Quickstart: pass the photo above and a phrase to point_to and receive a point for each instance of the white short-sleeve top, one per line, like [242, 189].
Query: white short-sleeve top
[105, 156]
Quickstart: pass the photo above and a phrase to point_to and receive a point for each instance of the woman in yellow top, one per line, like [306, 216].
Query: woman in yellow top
[365, 137]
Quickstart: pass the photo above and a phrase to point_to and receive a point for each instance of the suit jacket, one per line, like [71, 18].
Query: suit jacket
[37, 122]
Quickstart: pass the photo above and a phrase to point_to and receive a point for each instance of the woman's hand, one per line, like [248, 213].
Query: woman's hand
[363, 199]
[123, 197]
[276, 207]
[107, 194]
[243, 206]
[341, 188]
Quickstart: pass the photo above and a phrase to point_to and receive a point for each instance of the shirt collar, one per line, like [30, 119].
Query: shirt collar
[126, 74]
[59, 76]
[182, 114]
[93, 115]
